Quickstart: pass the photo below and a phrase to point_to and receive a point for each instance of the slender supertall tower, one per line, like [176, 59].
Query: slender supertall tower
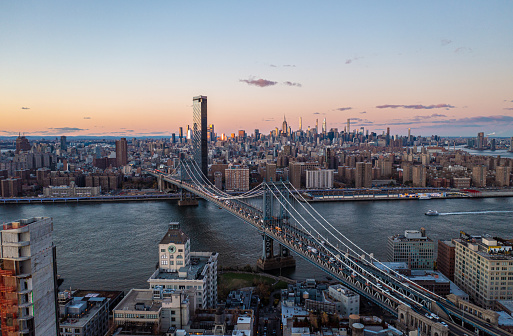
[300, 123]
[199, 133]
[348, 125]
[324, 126]
[317, 125]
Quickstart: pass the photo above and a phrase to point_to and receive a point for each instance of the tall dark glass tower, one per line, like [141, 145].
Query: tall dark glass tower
[199, 133]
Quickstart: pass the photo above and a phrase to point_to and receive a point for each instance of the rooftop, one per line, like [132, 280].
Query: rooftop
[175, 236]
[198, 262]
[80, 322]
[139, 299]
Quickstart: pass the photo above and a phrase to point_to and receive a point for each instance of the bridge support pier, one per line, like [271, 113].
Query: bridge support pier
[269, 261]
[187, 199]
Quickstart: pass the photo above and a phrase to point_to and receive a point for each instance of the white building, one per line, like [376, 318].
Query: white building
[181, 269]
[347, 301]
[28, 278]
[319, 179]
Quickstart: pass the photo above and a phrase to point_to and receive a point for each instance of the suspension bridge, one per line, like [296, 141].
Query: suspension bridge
[281, 214]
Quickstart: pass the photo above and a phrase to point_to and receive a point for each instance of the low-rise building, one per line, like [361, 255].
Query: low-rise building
[346, 301]
[152, 311]
[83, 316]
[71, 191]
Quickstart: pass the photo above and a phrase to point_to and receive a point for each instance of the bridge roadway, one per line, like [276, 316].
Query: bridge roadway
[386, 290]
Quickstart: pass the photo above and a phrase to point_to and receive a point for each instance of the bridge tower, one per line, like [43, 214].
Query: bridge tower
[270, 261]
[186, 198]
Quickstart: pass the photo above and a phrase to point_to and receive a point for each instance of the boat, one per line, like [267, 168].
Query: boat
[432, 213]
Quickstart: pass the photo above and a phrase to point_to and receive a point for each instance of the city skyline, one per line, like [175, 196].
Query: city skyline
[129, 69]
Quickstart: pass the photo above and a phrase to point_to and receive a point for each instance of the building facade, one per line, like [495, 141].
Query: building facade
[28, 278]
[413, 248]
[237, 179]
[445, 259]
[319, 179]
[199, 133]
[180, 269]
[71, 191]
[484, 268]
[121, 152]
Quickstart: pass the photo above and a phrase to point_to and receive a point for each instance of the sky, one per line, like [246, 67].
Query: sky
[131, 68]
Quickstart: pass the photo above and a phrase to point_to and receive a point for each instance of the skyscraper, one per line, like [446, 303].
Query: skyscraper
[22, 144]
[301, 124]
[324, 126]
[348, 125]
[64, 145]
[28, 278]
[480, 140]
[284, 128]
[121, 152]
[199, 133]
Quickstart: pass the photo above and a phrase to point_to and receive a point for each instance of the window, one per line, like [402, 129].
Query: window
[163, 256]
[162, 250]
[163, 262]
[179, 262]
[180, 250]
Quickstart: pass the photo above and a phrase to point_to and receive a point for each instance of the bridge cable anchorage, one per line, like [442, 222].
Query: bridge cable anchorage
[378, 280]
[352, 268]
[405, 279]
[255, 192]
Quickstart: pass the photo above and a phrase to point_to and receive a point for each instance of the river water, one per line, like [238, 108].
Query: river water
[114, 245]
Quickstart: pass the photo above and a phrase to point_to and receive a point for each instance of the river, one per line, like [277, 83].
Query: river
[114, 245]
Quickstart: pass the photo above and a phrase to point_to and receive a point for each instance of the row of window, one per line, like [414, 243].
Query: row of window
[171, 262]
[141, 316]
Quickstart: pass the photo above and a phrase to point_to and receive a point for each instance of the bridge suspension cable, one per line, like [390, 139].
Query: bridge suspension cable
[397, 274]
[353, 267]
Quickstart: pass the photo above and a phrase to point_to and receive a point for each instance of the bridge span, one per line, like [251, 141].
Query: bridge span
[297, 226]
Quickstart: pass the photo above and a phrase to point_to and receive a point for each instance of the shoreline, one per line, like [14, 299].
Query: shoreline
[93, 199]
[167, 197]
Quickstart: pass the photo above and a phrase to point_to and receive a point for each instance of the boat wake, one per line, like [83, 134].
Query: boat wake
[474, 212]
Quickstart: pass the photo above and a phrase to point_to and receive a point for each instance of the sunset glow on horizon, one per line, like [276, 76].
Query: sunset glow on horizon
[127, 68]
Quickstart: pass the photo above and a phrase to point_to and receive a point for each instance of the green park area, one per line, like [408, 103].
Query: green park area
[263, 285]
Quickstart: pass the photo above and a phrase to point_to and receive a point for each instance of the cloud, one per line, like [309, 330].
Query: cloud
[416, 107]
[25, 108]
[509, 108]
[67, 129]
[316, 113]
[343, 108]
[272, 66]
[462, 50]
[351, 60]
[363, 112]
[479, 121]
[289, 65]
[87, 117]
[292, 84]
[258, 82]
[446, 42]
